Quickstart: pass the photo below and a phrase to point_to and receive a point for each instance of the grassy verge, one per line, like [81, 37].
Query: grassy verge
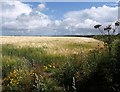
[78, 68]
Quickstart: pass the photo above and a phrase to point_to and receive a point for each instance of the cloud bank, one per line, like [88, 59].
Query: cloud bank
[20, 19]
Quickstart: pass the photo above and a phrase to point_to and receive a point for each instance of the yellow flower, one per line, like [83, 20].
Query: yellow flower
[14, 71]
[10, 72]
[53, 66]
[49, 65]
[11, 82]
[20, 77]
[46, 67]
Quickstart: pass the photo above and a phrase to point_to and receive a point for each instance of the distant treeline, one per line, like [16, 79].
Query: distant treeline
[118, 35]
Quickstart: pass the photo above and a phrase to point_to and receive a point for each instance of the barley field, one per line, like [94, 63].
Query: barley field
[42, 41]
[55, 45]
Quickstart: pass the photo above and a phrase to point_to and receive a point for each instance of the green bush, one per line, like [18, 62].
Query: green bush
[44, 84]
[99, 72]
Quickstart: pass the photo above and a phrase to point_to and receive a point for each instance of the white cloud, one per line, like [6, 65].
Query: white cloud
[21, 18]
[87, 18]
[41, 6]
[102, 14]
[88, 23]
[32, 21]
[58, 22]
[12, 9]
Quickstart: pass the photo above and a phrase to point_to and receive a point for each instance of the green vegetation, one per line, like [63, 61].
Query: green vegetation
[78, 46]
[34, 69]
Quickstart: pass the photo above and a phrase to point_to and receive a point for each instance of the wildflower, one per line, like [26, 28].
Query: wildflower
[49, 65]
[45, 67]
[53, 66]
[20, 77]
[11, 81]
[33, 73]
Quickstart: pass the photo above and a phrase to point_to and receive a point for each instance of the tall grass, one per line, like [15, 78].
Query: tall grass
[34, 69]
[32, 63]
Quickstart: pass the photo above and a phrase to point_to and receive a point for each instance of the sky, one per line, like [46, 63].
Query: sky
[56, 18]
